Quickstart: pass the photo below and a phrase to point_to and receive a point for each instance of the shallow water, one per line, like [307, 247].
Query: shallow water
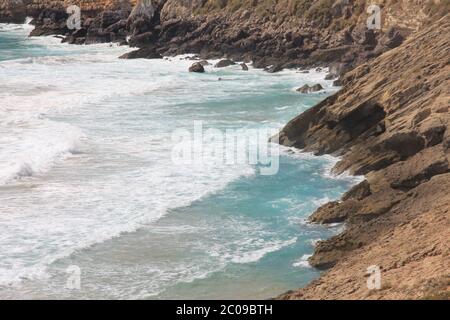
[87, 179]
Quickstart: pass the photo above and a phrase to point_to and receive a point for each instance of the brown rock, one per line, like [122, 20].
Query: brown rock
[224, 63]
[335, 212]
[197, 67]
[310, 89]
[358, 192]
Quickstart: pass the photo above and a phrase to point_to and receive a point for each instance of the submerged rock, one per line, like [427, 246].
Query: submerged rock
[224, 63]
[49, 22]
[310, 89]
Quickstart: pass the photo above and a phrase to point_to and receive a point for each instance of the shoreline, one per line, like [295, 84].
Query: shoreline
[412, 161]
[291, 75]
[328, 170]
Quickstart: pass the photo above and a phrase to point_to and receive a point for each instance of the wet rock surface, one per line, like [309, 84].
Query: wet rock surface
[224, 63]
[310, 89]
[197, 67]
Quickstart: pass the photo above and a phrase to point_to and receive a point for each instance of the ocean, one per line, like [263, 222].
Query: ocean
[89, 189]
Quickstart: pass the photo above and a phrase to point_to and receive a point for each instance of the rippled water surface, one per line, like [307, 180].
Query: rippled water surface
[87, 180]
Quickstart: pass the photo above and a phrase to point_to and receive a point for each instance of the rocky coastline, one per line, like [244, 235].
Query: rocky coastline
[271, 34]
[389, 122]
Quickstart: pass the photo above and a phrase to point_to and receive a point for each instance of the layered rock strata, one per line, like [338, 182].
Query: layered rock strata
[390, 123]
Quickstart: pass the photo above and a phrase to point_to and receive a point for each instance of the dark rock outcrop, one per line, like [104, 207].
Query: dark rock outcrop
[304, 33]
[224, 63]
[310, 89]
[50, 21]
[197, 67]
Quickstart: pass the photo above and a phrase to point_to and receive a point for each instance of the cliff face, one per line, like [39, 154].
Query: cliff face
[390, 122]
[287, 33]
[278, 33]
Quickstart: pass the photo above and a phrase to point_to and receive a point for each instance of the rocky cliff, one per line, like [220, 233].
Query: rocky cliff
[284, 33]
[277, 33]
[390, 122]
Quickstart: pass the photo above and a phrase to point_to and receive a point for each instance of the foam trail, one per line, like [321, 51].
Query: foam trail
[85, 158]
[303, 261]
[38, 151]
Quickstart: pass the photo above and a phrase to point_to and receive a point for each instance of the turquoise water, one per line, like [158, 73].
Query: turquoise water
[87, 178]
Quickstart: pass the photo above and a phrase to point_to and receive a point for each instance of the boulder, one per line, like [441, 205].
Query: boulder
[224, 63]
[309, 89]
[316, 87]
[244, 67]
[197, 67]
